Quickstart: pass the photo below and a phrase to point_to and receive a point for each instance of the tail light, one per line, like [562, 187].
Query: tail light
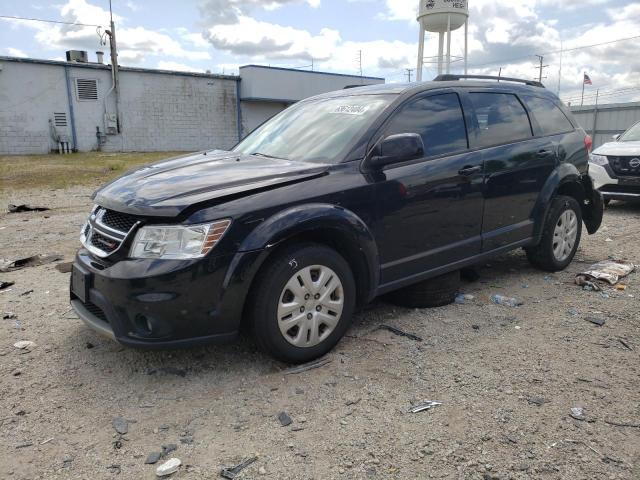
[588, 142]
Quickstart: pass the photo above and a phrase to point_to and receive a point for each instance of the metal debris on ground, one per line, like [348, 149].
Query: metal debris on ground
[25, 208]
[397, 331]
[608, 271]
[595, 320]
[34, 261]
[232, 472]
[506, 301]
[24, 344]
[578, 413]
[428, 405]
[167, 468]
[4, 285]
[308, 366]
[24, 294]
[9, 316]
[285, 419]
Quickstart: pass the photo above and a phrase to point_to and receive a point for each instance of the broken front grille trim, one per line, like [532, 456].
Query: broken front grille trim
[96, 231]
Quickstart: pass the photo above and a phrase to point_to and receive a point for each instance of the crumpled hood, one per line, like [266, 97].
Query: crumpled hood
[166, 188]
[619, 149]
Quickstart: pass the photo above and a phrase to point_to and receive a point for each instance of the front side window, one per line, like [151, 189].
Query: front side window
[316, 130]
[501, 118]
[631, 135]
[437, 119]
[550, 118]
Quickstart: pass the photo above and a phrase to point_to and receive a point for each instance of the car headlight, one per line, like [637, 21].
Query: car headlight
[177, 242]
[598, 159]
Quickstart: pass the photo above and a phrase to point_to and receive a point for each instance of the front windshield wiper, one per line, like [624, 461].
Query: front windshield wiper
[259, 154]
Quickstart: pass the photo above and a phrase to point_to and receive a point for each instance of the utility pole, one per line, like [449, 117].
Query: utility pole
[541, 68]
[409, 71]
[499, 73]
[114, 65]
[560, 70]
[360, 63]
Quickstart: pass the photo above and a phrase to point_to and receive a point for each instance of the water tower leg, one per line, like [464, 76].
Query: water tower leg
[448, 43]
[420, 55]
[440, 52]
[466, 37]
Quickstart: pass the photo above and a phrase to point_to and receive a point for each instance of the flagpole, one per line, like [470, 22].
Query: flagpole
[582, 99]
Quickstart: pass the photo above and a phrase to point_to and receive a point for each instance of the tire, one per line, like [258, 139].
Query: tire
[543, 255]
[278, 299]
[435, 292]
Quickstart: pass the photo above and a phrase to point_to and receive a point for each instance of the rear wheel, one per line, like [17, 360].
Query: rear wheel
[303, 301]
[434, 292]
[560, 236]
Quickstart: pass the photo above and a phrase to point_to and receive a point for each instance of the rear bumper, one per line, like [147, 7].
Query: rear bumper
[163, 304]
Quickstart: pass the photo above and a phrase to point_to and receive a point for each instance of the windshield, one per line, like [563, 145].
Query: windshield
[631, 135]
[315, 131]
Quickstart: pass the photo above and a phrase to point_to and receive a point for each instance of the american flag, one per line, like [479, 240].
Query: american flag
[587, 80]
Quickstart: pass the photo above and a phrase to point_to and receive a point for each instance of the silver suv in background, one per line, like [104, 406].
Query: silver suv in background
[615, 166]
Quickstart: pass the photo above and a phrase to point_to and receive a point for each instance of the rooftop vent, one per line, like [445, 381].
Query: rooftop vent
[79, 56]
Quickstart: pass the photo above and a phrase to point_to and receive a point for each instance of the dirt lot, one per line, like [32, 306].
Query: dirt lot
[507, 379]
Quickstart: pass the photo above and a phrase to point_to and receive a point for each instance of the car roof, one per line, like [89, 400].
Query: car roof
[417, 87]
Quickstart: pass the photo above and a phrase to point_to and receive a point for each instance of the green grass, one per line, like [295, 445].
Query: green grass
[19, 172]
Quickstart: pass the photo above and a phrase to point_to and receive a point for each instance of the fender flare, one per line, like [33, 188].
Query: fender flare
[309, 218]
[561, 175]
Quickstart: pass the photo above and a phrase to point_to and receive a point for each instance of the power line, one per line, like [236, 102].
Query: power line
[553, 52]
[11, 17]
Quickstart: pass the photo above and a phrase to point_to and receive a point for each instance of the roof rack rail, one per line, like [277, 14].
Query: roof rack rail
[448, 77]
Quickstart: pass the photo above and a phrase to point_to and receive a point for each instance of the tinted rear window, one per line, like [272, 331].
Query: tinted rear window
[437, 119]
[551, 120]
[501, 118]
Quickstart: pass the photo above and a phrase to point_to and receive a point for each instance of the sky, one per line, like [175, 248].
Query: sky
[221, 35]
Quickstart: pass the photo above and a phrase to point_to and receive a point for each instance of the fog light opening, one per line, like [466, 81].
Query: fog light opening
[144, 324]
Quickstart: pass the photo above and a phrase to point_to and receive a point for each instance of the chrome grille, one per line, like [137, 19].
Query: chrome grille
[106, 231]
[118, 221]
[625, 165]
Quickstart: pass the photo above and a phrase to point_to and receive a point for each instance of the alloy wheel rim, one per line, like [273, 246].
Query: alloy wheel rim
[564, 235]
[310, 306]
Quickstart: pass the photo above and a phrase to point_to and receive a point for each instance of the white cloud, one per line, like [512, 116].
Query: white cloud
[135, 43]
[15, 52]
[176, 66]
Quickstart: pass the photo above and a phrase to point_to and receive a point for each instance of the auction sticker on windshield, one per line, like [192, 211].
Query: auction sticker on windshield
[351, 109]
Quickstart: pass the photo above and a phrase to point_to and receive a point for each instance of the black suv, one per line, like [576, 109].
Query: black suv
[338, 199]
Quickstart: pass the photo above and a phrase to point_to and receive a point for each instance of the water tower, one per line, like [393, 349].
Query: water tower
[442, 16]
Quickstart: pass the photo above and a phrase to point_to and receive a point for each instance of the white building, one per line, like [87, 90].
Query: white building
[43, 102]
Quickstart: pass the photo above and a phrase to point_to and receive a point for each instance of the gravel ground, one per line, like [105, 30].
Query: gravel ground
[507, 379]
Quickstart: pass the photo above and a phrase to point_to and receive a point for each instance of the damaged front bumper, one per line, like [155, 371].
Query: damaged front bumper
[157, 303]
[592, 206]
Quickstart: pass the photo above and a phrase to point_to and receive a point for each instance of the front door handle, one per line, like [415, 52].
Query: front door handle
[469, 170]
[544, 153]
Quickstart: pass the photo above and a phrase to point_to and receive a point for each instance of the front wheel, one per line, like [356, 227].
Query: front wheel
[561, 235]
[302, 304]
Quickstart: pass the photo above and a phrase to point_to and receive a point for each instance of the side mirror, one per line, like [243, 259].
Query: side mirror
[616, 137]
[395, 149]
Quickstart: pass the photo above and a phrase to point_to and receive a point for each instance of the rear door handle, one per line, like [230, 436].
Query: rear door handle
[469, 170]
[544, 153]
